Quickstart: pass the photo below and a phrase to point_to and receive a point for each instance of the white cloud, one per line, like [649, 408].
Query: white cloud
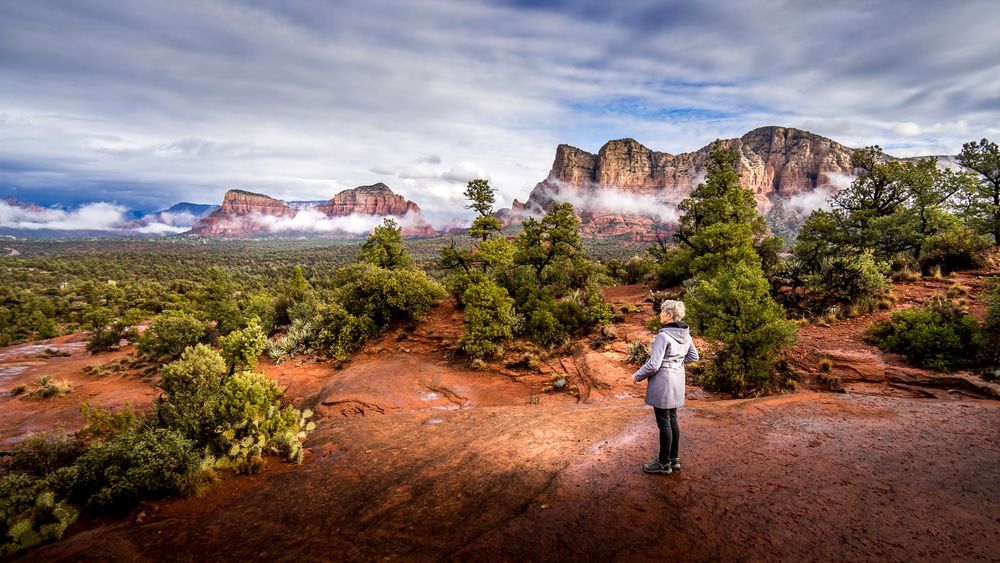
[613, 201]
[182, 101]
[90, 217]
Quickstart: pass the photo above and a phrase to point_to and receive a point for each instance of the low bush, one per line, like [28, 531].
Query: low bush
[30, 514]
[115, 475]
[44, 453]
[170, 334]
[937, 336]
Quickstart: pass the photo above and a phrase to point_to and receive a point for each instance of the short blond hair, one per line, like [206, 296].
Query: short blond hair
[673, 308]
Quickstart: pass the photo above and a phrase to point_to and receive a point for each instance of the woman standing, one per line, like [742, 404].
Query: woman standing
[672, 348]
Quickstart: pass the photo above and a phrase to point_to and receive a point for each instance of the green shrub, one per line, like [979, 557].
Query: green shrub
[956, 249]
[736, 308]
[485, 304]
[636, 353]
[850, 277]
[241, 349]
[170, 334]
[44, 453]
[384, 295]
[115, 475]
[253, 423]
[341, 331]
[30, 515]
[193, 386]
[938, 336]
[102, 423]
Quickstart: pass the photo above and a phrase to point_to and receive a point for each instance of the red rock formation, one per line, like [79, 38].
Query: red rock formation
[774, 161]
[376, 199]
[379, 200]
[247, 214]
[240, 215]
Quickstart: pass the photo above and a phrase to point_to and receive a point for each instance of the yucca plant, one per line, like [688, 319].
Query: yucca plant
[636, 353]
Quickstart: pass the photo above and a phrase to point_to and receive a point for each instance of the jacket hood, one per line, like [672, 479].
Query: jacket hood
[678, 331]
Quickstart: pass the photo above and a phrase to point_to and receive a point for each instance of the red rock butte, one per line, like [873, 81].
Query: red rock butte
[242, 211]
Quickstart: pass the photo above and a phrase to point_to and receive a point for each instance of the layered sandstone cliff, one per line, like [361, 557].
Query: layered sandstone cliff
[628, 189]
[248, 214]
[376, 199]
[243, 214]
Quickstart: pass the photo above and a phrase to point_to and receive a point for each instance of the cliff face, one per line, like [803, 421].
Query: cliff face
[241, 214]
[627, 187]
[376, 199]
[247, 214]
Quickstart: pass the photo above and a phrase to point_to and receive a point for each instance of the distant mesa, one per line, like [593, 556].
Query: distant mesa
[351, 212]
[629, 190]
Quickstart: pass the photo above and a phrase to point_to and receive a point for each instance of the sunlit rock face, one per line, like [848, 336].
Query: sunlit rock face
[249, 214]
[376, 199]
[628, 189]
[240, 215]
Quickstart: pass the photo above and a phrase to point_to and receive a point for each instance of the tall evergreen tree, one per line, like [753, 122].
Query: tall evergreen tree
[984, 158]
[728, 295]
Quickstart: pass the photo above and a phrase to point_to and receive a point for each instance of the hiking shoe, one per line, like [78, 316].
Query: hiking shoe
[657, 467]
[675, 464]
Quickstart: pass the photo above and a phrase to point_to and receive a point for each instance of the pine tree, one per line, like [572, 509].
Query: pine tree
[721, 234]
[984, 158]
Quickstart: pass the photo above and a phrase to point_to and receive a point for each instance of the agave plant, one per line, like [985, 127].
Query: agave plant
[636, 353]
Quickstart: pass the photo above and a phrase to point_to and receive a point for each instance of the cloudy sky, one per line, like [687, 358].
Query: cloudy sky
[140, 104]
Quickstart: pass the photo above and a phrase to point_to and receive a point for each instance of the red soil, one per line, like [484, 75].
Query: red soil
[419, 457]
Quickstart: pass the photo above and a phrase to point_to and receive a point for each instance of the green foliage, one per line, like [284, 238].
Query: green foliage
[893, 210]
[253, 422]
[300, 339]
[218, 300]
[635, 270]
[43, 326]
[193, 387]
[736, 308]
[341, 331]
[241, 349]
[170, 334]
[983, 210]
[30, 515]
[44, 453]
[486, 304]
[149, 463]
[720, 225]
[384, 295]
[959, 248]
[549, 240]
[481, 199]
[636, 353]
[102, 423]
[937, 336]
[850, 276]
[45, 387]
[384, 248]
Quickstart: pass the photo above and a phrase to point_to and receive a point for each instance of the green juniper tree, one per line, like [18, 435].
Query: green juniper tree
[984, 159]
[720, 235]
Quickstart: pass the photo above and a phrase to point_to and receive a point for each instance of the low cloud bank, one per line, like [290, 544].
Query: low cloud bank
[312, 220]
[608, 201]
[90, 217]
[99, 216]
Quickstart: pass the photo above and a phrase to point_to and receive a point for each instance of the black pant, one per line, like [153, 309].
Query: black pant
[670, 435]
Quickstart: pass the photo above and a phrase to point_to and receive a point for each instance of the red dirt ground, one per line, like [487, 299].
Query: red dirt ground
[418, 457]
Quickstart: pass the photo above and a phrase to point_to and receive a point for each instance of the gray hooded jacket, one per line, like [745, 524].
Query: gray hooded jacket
[672, 348]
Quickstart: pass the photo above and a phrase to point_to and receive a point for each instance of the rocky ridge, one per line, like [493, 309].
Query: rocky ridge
[629, 189]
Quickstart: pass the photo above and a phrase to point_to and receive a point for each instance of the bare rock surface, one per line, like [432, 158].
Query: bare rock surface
[628, 189]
